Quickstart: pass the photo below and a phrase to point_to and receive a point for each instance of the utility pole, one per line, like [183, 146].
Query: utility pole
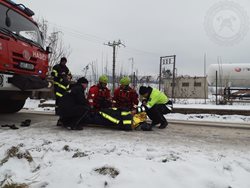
[205, 78]
[132, 71]
[132, 65]
[114, 44]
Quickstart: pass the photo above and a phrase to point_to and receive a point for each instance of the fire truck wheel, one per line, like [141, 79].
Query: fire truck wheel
[11, 106]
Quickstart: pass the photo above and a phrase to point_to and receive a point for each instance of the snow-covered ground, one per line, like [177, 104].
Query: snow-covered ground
[33, 105]
[45, 156]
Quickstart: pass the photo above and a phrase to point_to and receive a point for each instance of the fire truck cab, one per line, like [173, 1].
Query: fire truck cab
[22, 53]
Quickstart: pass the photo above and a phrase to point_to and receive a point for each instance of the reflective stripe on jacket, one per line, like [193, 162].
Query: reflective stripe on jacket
[122, 119]
[61, 83]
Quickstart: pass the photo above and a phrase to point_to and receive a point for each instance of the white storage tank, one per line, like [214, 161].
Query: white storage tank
[229, 75]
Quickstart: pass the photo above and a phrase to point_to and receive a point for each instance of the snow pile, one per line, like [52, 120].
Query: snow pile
[47, 156]
[39, 106]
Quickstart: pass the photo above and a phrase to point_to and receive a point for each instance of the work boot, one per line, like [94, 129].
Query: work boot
[163, 125]
[10, 126]
[59, 123]
[154, 123]
[78, 128]
[25, 123]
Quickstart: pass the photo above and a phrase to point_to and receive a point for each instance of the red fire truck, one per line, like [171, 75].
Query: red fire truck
[23, 59]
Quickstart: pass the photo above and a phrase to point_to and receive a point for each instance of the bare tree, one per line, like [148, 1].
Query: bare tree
[55, 41]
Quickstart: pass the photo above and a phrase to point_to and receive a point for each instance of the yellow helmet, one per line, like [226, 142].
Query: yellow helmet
[125, 81]
[103, 79]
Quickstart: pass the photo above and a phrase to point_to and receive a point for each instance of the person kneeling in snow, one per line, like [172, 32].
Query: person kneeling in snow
[73, 107]
[155, 103]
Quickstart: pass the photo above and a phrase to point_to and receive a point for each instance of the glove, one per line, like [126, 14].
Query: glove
[135, 106]
[133, 112]
[144, 102]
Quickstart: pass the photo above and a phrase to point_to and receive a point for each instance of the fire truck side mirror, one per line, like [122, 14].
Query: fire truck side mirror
[48, 49]
[7, 21]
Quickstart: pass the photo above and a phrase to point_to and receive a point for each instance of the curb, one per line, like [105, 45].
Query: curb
[235, 125]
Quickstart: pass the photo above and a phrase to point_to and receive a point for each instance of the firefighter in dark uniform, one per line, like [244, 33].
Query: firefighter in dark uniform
[113, 117]
[73, 107]
[155, 103]
[99, 96]
[125, 96]
[121, 119]
[62, 77]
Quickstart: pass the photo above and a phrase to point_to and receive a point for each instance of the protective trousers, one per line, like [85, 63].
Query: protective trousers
[156, 113]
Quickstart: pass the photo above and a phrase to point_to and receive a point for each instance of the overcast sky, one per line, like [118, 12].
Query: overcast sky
[150, 29]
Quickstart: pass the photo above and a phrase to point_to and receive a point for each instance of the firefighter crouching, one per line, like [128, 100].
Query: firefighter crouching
[62, 77]
[125, 96]
[73, 107]
[155, 103]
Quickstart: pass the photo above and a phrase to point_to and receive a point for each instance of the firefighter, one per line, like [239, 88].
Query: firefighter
[73, 107]
[99, 95]
[125, 96]
[155, 103]
[62, 77]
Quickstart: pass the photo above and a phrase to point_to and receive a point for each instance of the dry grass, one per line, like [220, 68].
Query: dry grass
[79, 154]
[15, 152]
[15, 185]
[66, 148]
[105, 170]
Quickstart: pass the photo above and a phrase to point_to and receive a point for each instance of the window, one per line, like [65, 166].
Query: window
[20, 26]
[185, 84]
[197, 84]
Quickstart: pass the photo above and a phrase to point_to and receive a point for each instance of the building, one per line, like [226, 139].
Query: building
[187, 87]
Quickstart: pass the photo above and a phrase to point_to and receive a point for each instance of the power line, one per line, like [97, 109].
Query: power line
[98, 40]
[90, 37]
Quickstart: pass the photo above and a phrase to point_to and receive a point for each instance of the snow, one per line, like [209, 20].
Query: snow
[33, 105]
[141, 159]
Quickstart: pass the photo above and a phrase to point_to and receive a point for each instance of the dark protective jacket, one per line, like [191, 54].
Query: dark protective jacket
[61, 83]
[125, 97]
[73, 104]
[99, 97]
[116, 117]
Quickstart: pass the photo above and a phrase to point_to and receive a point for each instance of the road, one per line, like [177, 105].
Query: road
[186, 133]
